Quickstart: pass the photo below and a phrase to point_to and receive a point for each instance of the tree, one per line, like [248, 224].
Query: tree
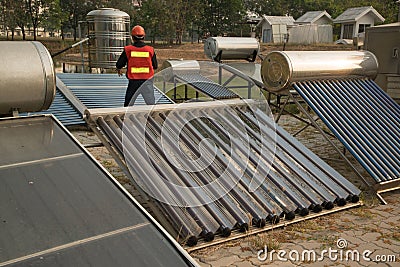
[35, 15]
[154, 16]
[14, 15]
[54, 17]
[76, 11]
[168, 19]
[221, 17]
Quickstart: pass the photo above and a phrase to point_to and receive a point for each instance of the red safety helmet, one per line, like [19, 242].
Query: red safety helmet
[138, 31]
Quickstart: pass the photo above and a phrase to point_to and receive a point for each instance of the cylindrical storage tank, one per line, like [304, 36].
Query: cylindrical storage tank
[176, 67]
[27, 77]
[226, 48]
[109, 32]
[281, 68]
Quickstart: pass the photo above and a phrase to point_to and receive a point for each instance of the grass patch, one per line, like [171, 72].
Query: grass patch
[363, 212]
[393, 236]
[259, 241]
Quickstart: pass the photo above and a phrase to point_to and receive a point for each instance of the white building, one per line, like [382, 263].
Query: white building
[314, 27]
[315, 17]
[274, 29]
[355, 20]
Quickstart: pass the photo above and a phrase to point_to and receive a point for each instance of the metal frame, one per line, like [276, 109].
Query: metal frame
[235, 73]
[237, 235]
[385, 187]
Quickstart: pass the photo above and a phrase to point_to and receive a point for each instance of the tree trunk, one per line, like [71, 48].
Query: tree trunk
[23, 33]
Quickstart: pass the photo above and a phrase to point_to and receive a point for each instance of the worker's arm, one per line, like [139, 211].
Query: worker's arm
[121, 62]
[154, 61]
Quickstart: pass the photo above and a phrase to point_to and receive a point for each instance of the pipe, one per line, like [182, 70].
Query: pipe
[304, 186]
[284, 149]
[263, 167]
[323, 113]
[203, 197]
[242, 180]
[299, 152]
[242, 195]
[187, 226]
[70, 47]
[225, 200]
[361, 126]
[205, 222]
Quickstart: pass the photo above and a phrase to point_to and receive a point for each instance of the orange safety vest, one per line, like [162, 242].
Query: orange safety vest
[139, 62]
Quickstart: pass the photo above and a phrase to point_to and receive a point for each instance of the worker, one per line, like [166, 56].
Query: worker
[141, 62]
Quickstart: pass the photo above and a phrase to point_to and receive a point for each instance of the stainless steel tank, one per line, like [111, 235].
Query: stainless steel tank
[177, 67]
[222, 48]
[280, 68]
[27, 77]
[109, 32]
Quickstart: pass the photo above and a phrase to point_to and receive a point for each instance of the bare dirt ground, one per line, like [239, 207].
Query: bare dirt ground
[373, 228]
[196, 51]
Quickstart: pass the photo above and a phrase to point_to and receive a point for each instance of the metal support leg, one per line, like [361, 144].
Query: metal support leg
[305, 127]
[249, 90]
[282, 110]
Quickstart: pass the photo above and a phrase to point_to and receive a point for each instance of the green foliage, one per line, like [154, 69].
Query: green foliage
[168, 20]
[222, 16]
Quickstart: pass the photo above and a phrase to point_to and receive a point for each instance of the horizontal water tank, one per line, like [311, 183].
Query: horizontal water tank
[281, 68]
[226, 48]
[28, 80]
[109, 33]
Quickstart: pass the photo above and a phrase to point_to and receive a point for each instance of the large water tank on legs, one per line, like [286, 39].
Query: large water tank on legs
[109, 32]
